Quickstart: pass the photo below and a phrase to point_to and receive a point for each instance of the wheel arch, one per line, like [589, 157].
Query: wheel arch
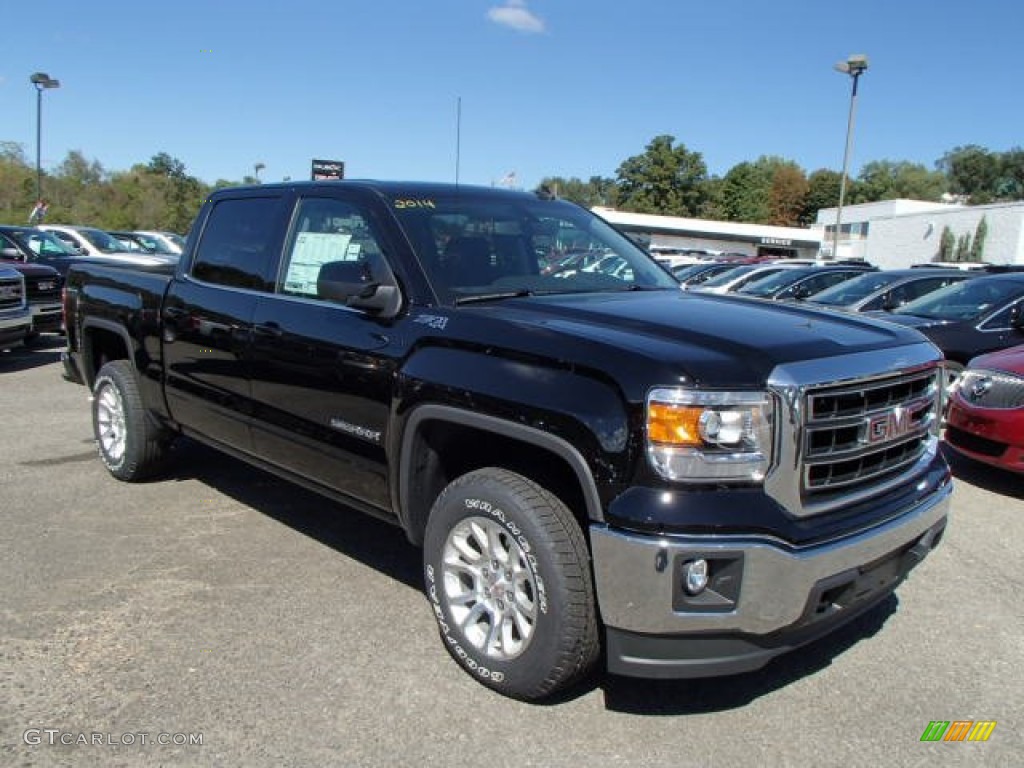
[427, 462]
[103, 341]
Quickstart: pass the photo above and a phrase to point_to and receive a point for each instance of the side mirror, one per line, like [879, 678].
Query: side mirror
[889, 302]
[11, 253]
[360, 285]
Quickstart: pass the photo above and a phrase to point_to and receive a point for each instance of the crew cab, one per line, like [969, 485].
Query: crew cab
[694, 484]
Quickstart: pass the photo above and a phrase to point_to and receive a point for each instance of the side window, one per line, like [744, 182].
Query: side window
[236, 248]
[918, 289]
[326, 230]
[1002, 320]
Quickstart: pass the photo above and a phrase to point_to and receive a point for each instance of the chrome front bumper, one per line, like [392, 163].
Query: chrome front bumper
[637, 576]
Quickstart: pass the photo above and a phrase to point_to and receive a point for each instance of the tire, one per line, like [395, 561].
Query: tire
[528, 627]
[129, 444]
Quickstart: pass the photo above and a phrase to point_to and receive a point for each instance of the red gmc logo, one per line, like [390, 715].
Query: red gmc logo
[884, 427]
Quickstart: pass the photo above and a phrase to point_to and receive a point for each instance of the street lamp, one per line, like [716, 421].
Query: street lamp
[257, 168]
[855, 66]
[41, 81]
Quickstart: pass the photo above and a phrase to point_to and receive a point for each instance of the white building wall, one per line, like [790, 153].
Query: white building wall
[901, 241]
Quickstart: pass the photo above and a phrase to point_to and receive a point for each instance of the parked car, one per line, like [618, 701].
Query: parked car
[797, 284]
[34, 246]
[130, 240]
[735, 278]
[690, 275]
[169, 242]
[968, 318]
[985, 421]
[96, 243]
[15, 316]
[42, 290]
[144, 242]
[886, 290]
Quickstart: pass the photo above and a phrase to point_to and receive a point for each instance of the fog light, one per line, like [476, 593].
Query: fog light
[695, 576]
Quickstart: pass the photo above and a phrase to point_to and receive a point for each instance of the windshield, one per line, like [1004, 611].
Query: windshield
[177, 240]
[772, 282]
[966, 300]
[43, 243]
[476, 247]
[854, 290]
[103, 241]
[726, 277]
[154, 244]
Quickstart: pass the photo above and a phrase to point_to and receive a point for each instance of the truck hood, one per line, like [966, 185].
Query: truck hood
[710, 340]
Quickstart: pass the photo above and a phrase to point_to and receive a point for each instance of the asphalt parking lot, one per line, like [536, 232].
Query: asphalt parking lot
[220, 605]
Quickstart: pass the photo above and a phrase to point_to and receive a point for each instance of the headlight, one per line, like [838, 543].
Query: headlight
[991, 389]
[702, 436]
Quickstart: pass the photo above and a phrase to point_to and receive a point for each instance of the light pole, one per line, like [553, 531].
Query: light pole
[41, 81]
[855, 66]
[257, 168]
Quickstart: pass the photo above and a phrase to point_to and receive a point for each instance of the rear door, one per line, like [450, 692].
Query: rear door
[322, 373]
[208, 313]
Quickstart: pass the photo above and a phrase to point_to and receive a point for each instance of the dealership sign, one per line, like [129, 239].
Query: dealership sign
[328, 169]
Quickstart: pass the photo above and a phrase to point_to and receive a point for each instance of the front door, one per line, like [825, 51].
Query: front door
[322, 372]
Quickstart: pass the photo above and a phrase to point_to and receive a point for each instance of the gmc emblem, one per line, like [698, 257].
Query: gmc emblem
[892, 425]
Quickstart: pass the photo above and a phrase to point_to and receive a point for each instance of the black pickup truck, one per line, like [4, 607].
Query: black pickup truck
[590, 458]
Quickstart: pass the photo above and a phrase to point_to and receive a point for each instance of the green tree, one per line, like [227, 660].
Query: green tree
[596, 191]
[947, 245]
[972, 171]
[745, 193]
[666, 179]
[17, 183]
[886, 180]
[963, 248]
[822, 192]
[712, 207]
[1010, 185]
[978, 244]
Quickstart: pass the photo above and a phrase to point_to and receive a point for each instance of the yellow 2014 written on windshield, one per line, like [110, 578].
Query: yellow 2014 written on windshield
[414, 203]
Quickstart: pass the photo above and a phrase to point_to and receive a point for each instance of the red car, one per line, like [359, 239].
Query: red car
[986, 412]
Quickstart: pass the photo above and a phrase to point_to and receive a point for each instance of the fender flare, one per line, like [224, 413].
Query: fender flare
[115, 328]
[486, 423]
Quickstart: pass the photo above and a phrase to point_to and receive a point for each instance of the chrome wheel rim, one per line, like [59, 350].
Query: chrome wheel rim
[489, 588]
[110, 428]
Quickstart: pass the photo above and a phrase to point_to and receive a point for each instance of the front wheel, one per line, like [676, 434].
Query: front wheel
[508, 577]
[130, 445]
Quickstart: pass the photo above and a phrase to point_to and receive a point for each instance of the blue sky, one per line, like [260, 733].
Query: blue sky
[547, 87]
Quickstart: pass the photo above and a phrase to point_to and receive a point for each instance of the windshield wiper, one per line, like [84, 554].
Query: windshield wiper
[496, 296]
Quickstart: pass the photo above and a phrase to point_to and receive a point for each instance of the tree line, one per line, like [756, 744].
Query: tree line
[669, 179]
[666, 178]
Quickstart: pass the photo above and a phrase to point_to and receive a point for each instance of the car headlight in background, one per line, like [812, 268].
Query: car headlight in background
[706, 436]
[991, 389]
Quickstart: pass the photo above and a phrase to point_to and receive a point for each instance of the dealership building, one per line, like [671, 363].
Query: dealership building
[673, 233]
[889, 234]
[899, 233]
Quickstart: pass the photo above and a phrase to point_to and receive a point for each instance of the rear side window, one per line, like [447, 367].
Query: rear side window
[238, 244]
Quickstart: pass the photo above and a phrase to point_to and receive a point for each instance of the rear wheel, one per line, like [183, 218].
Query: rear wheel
[508, 576]
[130, 445]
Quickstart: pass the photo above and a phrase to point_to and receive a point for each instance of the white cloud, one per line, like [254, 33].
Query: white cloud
[515, 14]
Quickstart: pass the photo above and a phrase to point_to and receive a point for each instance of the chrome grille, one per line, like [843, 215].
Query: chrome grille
[12, 293]
[865, 432]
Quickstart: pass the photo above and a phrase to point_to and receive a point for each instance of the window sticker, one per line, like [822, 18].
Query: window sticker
[311, 251]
